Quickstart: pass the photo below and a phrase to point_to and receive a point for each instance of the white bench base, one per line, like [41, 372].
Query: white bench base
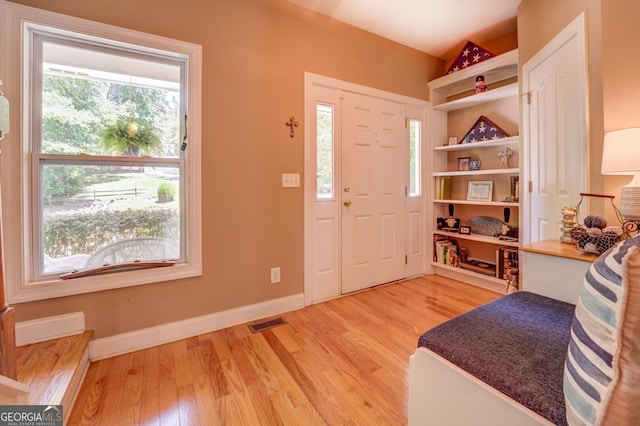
[441, 393]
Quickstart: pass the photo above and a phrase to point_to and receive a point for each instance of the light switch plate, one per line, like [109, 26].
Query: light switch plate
[290, 180]
[275, 275]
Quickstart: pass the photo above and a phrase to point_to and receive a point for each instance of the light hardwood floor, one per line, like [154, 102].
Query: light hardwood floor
[344, 361]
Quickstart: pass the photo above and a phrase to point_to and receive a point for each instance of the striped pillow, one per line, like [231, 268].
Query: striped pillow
[602, 369]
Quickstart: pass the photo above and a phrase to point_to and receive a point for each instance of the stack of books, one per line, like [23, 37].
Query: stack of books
[445, 251]
[508, 270]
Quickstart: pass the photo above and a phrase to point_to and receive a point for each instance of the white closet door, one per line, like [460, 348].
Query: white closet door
[555, 131]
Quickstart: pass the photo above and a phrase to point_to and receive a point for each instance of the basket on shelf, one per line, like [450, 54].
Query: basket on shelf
[594, 243]
[594, 236]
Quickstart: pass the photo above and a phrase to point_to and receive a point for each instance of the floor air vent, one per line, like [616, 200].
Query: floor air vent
[265, 325]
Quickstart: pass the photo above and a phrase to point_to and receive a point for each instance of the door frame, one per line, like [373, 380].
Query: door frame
[415, 207]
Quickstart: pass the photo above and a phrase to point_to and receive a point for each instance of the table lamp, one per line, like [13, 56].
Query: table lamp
[621, 156]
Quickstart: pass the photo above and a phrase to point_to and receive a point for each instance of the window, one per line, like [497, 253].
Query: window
[324, 150]
[110, 174]
[415, 165]
[105, 147]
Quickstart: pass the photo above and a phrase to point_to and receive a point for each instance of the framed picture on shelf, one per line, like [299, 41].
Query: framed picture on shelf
[465, 230]
[464, 163]
[480, 190]
[474, 165]
[453, 140]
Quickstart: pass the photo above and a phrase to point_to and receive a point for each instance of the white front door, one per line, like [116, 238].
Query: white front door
[555, 85]
[373, 191]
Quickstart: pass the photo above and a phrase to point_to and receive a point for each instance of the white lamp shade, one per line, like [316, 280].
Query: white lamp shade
[621, 152]
[621, 156]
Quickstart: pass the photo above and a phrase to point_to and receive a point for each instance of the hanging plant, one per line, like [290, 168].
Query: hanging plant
[130, 138]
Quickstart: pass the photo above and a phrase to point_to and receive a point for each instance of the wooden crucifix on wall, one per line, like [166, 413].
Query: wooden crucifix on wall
[292, 123]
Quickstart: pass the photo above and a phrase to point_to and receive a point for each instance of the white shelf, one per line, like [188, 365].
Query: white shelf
[480, 98]
[511, 140]
[470, 273]
[498, 68]
[513, 171]
[479, 238]
[479, 203]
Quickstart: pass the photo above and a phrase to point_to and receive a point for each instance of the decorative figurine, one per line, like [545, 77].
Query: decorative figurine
[504, 155]
[480, 85]
[450, 223]
[568, 223]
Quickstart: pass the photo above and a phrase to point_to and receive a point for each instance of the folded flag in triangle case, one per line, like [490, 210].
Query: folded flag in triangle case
[470, 55]
[484, 130]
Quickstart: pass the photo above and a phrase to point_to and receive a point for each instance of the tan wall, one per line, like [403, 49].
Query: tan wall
[538, 22]
[621, 89]
[255, 55]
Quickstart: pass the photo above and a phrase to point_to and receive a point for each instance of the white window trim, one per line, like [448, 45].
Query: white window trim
[14, 164]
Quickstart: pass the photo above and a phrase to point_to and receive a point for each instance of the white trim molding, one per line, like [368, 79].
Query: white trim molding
[49, 328]
[153, 336]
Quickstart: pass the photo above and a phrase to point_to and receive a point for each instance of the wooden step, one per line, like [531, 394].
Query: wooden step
[54, 369]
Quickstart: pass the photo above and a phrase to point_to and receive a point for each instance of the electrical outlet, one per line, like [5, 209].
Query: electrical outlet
[275, 275]
[290, 180]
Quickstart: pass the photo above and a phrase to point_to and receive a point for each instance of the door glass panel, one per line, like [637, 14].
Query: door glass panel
[324, 150]
[415, 136]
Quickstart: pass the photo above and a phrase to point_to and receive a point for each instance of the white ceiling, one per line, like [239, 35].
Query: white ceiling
[432, 26]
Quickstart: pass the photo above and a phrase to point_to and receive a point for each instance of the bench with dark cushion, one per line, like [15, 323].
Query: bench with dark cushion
[527, 359]
[516, 344]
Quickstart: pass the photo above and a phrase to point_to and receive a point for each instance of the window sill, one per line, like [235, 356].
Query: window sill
[50, 289]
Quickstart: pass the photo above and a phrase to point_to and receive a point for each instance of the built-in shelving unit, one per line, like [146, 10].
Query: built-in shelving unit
[455, 108]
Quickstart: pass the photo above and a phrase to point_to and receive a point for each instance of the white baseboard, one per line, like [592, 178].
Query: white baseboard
[43, 329]
[153, 336]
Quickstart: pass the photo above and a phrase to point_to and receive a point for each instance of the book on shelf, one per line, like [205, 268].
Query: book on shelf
[443, 188]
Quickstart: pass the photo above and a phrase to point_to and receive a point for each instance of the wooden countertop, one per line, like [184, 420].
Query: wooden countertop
[554, 247]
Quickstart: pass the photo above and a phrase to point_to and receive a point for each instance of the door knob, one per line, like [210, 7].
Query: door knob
[346, 203]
